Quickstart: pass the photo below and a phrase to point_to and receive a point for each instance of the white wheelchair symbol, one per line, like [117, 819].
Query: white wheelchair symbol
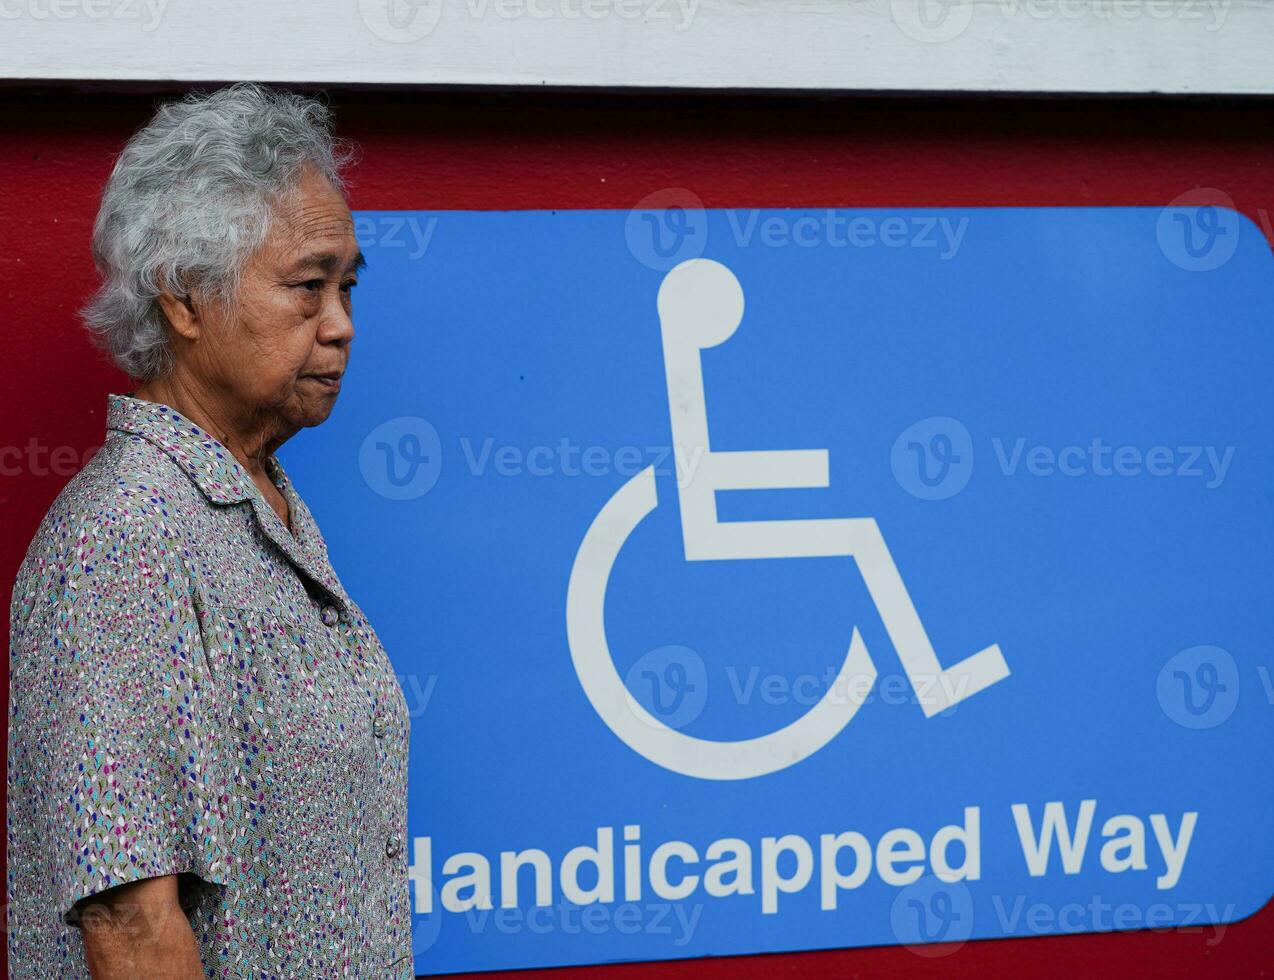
[700, 306]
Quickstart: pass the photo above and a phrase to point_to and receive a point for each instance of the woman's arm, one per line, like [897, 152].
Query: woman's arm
[139, 930]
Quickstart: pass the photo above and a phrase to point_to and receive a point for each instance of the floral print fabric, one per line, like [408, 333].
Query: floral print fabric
[193, 692]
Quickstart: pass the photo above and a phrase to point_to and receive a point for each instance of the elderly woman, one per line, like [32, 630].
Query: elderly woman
[207, 743]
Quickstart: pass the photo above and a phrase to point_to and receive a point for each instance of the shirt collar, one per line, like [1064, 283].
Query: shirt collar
[223, 480]
[209, 464]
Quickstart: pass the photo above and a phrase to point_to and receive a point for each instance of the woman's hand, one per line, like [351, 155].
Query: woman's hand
[139, 930]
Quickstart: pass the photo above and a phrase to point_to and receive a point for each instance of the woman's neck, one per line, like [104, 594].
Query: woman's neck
[250, 442]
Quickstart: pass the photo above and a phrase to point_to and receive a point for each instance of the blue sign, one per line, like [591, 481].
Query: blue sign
[776, 580]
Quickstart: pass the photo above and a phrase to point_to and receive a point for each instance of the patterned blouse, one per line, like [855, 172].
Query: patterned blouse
[193, 692]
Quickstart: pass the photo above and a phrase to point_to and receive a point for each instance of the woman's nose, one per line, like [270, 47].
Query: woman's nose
[337, 325]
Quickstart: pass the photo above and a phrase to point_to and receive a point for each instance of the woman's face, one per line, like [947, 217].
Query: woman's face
[277, 354]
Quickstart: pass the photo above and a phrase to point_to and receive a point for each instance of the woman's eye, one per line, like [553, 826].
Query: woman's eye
[348, 287]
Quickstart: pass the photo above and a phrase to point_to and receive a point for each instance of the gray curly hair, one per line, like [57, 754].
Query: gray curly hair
[189, 199]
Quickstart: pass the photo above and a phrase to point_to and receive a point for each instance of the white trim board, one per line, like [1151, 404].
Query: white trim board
[1089, 46]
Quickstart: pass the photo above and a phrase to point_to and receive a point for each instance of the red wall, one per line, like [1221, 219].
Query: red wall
[543, 150]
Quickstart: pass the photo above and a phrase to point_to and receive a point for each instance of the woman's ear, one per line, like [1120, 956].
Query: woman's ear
[181, 314]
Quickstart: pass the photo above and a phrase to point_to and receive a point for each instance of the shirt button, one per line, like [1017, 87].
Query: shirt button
[393, 847]
[330, 616]
[379, 729]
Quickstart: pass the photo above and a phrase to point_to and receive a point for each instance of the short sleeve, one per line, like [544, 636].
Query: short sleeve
[136, 786]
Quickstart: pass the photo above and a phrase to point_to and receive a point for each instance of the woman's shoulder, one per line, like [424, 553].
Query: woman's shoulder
[129, 484]
[130, 503]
